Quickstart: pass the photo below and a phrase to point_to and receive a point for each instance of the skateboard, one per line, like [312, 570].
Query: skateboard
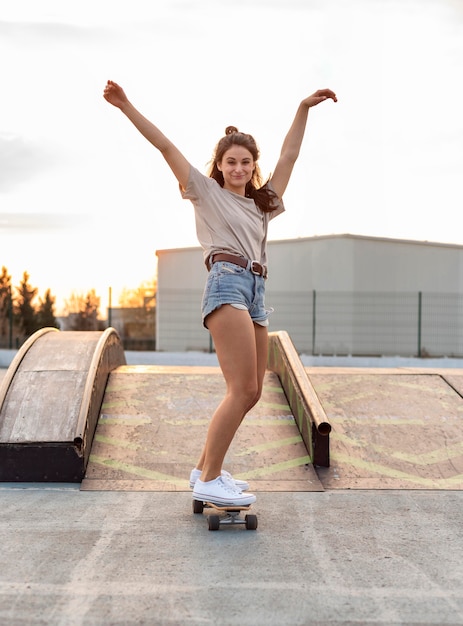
[218, 515]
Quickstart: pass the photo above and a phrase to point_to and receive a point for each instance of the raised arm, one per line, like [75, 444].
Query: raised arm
[293, 140]
[115, 95]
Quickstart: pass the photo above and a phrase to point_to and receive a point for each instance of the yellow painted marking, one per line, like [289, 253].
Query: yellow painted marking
[356, 443]
[271, 445]
[276, 467]
[397, 474]
[455, 481]
[436, 456]
[137, 471]
[121, 403]
[273, 405]
[426, 458]
[371, 421]
[190, 421]
[118, 386]
[284, 420]
[126, 445]
[124, 421]
[115, 403]
[274, 389]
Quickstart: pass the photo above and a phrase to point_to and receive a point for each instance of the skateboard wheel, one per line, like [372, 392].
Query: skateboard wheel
[251, 522]
[213, 522]
[198, 506]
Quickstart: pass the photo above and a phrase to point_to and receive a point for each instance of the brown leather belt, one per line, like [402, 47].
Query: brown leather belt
[253, 266]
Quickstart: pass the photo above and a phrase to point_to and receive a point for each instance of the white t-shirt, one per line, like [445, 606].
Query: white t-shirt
[226, 221]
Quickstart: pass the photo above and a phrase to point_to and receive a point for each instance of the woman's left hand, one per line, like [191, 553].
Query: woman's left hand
[319, 96]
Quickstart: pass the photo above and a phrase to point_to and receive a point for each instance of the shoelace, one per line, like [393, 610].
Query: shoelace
[227, 477]
[229, 485]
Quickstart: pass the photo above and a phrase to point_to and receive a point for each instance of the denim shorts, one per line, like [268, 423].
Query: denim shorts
[228, 283]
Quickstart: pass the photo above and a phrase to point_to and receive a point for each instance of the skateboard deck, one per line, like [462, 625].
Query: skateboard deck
[219, 515]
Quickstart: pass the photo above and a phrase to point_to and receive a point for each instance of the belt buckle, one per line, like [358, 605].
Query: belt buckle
[261, 273]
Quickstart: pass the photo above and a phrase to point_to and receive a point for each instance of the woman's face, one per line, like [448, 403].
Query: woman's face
[237, 166]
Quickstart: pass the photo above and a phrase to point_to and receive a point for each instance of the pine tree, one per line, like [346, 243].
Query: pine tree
[5, 304]
[82, 311]
[45, 314]
[89, 315]
[24, 309]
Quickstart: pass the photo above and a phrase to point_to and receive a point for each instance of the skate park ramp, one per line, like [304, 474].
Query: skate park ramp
[362, 428]
[392, 428]
[50, 399]
[72, 410]
[154, 420]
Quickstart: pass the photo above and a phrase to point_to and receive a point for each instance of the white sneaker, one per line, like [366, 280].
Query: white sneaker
[221, 491]
[240, 484]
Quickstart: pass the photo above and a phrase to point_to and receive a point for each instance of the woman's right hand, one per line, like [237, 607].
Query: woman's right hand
[114, 94]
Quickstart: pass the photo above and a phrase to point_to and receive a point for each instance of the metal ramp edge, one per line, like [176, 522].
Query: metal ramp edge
[307, 409]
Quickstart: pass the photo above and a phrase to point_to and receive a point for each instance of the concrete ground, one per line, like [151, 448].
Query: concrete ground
[92, 558]
[72, 557]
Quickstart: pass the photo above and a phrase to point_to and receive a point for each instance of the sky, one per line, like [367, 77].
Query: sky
[85, 201]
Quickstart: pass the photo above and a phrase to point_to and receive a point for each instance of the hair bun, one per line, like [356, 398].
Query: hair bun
[230, 130]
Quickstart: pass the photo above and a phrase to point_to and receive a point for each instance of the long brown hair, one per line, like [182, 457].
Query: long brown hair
[265, 198]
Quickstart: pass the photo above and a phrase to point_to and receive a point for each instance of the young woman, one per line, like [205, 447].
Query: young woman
[232, 211]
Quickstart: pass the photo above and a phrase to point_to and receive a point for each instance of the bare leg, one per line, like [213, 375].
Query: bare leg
[241, 348]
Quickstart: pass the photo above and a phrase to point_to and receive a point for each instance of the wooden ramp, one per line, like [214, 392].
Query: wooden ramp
[392, 429]
[50, 401]
[70, 409]
[153, 423]
[68, 397]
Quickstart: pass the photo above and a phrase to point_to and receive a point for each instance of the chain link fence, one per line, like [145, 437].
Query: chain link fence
[410, 324]
[320, 323]
[372, 323]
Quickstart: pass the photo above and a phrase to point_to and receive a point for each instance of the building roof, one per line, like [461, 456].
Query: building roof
[336, 236]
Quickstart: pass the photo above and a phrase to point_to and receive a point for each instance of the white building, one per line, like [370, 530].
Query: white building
[337, 294]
